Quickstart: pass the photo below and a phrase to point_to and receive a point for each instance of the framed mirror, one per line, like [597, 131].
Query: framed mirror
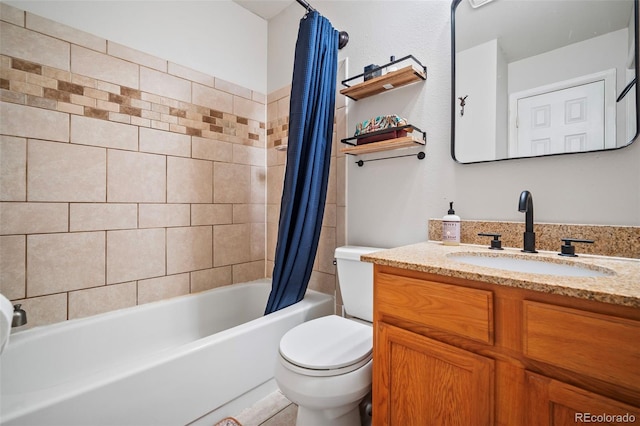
[542, 77]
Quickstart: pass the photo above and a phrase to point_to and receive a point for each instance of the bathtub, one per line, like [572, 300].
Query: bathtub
[189, 360]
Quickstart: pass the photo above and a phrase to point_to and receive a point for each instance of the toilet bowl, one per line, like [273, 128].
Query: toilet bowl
[325, 364]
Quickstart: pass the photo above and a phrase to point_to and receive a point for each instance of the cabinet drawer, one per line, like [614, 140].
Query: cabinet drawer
[599, 346]
[462, 311]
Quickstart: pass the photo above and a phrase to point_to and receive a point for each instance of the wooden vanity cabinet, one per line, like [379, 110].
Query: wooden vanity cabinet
[450, 351]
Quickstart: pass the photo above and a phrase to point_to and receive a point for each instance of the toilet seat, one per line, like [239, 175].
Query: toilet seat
[327, 346]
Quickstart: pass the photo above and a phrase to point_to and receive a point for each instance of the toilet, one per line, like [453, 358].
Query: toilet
[325, 364]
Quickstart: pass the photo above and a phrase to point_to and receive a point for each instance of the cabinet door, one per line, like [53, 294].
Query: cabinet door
[420, 381]
[551, 402]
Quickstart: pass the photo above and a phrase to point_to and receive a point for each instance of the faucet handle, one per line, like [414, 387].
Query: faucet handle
[496, 244]
[568, 250]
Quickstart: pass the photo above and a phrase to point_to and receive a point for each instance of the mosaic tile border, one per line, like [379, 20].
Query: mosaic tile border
[28, 83]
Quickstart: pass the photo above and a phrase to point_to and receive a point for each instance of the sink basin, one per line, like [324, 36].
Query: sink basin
[531, 266]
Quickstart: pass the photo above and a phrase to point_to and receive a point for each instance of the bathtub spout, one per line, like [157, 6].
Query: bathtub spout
[19, 316]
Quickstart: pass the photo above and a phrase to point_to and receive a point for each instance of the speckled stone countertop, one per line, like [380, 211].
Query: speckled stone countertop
[621, 286]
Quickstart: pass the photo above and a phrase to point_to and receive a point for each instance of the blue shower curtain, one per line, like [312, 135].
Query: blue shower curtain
[313, 95]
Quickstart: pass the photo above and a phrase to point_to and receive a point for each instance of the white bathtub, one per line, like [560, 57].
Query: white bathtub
[194, 358]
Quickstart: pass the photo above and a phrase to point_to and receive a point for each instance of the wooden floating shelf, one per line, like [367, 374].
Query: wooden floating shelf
[386, 145]
[391, 80]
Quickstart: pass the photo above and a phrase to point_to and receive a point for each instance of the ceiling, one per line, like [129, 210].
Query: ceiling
[265, 9]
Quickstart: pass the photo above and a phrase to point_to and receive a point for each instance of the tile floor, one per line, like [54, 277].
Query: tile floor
[273, 410]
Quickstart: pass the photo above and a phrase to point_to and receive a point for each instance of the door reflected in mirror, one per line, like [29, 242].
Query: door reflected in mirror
[542, 77]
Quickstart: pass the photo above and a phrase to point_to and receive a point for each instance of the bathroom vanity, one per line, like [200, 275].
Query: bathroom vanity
[461, 344]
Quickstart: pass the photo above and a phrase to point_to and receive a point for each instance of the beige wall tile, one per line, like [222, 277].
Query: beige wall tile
[341, 181]
[250, 109]
[98, 217]
[63, 32]
[279, 94]
[243, 154]
[258, 233]
[104, 67]
[91, 131]
[162, 288]
[189, 180]
[93, 301]
[231, 244]
[272, 239]
[13, 169]
[249, 213]
[161, 142]
[44, 310]
[135, 254]
[275, 184]
[135, 177]
[211, 149]
[11, 14]
[232, 183]
[324, 283]
[189, 249]
[206, 279]
[64, 262]
[329, 217]
[246, 272]
[34, 47]
[326, 251]
[163, 84]
[341, 234]
[211, 214]
[190, 74]
[259, 97]
[331, 185]
[13, 266]
[163, 215]
[212, 98]
[30, 122]
[232, 88]
[258, 185]
[136, 56]
[33, 218]
[66, 172]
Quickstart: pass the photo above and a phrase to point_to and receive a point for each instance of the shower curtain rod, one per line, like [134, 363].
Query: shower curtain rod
[343, 37]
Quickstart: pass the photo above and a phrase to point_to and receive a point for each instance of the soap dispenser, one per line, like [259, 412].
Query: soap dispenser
[451, 228]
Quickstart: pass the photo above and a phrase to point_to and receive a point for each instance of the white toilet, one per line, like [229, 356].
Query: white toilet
[325, 363]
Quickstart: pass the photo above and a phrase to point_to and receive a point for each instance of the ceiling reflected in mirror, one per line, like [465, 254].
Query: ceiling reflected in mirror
[535, 78]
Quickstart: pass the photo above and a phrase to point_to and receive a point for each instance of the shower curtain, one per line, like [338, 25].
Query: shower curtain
[313, 93]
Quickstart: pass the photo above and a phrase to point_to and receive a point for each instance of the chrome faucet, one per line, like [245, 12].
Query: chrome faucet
[19, 316]
[525, 205]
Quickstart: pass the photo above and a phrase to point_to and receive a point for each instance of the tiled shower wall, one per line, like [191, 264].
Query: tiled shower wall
[124, 178]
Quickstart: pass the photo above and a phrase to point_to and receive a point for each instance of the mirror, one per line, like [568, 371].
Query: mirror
[542, 77]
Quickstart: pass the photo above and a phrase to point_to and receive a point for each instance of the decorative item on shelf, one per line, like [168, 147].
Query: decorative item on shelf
[371, 71]
[380, 122]
[399, 72]
[412, 137]
[392, 64]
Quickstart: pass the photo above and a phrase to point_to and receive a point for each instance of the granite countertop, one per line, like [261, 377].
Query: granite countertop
[620, 287]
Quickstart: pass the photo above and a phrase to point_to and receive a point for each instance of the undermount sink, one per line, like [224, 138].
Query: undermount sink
[543, 266]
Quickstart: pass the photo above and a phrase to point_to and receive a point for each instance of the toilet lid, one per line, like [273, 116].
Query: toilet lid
[327, 343]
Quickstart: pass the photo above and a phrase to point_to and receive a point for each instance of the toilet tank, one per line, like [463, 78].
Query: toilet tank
[356, 281]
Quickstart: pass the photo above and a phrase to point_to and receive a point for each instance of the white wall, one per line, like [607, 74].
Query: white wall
[389, 202]
[227, 41]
